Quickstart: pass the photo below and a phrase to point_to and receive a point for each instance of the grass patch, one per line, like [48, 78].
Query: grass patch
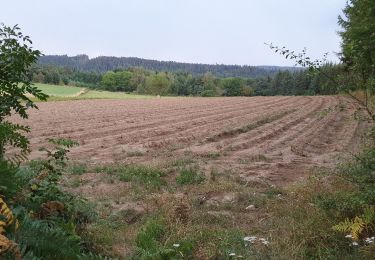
[147, 176]
[189, 176]
[301, 230]
[58, 91]
[157, 240]
[274, 191]
[134, 153]
[161, 239]
[97, 94]
[325, 112]
[214, 174]
[222, 243]
[77, 168]
[181, 162]
[62, 93]
[103, 234]
[211, 155]
[150, 236]
[74, 183]
[108, 169]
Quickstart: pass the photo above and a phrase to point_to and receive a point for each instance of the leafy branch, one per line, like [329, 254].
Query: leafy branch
[16, 58]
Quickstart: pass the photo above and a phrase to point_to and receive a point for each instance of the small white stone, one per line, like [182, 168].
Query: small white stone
[232, 254]
[250, 207]
[176, 245]
[250, 238]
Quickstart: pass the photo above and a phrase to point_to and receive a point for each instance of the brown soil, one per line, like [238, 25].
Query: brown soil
[280, 137]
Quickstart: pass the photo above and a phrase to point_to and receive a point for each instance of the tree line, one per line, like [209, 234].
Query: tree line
[104, 64]
[142, 81]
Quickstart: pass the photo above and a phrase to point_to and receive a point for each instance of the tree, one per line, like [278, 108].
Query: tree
[210, 85]
[233, 86]
[158, 84]
[247, 91]
[181, 83]
[118, 81]
[358, 41]
[52, 77]
[38, 77]
[16, 58]
[123, 81]
[195, 86]
[109, 80]
[138, 79]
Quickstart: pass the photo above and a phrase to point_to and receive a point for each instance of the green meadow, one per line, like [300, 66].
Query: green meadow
[57, 92]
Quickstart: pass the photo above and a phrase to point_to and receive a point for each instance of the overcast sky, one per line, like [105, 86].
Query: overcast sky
[199, 31]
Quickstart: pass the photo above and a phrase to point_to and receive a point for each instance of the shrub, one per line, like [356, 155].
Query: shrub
[208, 93]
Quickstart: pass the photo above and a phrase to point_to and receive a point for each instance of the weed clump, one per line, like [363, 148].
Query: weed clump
[77, 168]
[189, 176]
[147, 176]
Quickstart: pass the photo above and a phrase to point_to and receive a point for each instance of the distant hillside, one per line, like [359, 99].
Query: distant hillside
[104, 63]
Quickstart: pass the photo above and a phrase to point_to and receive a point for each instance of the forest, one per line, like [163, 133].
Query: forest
[104, 64]
[142, 81]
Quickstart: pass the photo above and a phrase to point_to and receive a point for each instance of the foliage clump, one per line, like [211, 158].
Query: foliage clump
[189, 176]
[16, 59]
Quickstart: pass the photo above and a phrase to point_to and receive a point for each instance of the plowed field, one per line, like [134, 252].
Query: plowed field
[276, 139]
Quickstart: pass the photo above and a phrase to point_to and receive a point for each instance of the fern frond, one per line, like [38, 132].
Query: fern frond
[7, 217]
[44, 239]
[9, 184]
[354, 227]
